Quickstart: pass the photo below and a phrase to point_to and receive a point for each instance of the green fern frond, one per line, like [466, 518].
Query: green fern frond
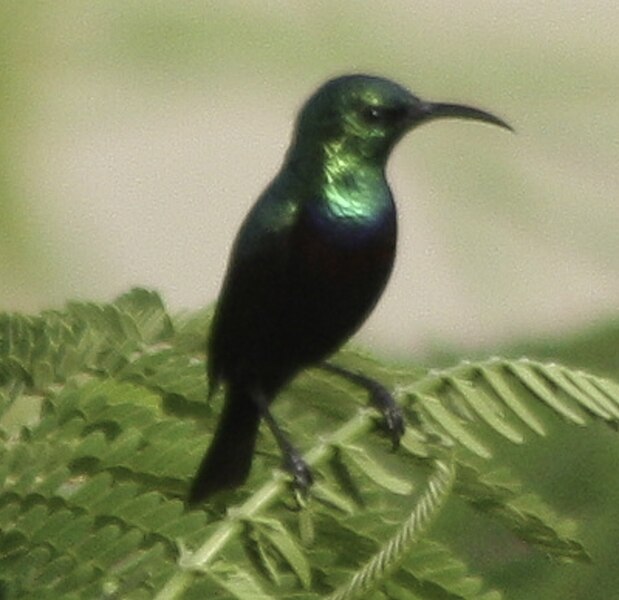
[508, 397]
[436, 492]
[103, 420]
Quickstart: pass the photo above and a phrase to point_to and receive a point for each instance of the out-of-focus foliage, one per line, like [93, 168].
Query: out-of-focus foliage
[594, 348]
[570, 469]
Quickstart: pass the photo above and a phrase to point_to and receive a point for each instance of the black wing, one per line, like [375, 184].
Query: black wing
[253, 295]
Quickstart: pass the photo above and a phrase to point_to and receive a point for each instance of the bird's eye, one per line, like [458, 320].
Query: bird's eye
[382, 115]
[373, 114]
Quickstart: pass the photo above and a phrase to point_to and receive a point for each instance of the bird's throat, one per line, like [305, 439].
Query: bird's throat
[354, 188]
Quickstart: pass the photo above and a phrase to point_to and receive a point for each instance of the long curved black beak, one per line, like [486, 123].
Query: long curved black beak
[439, 110]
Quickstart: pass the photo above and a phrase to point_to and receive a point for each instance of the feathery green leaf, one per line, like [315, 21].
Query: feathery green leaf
[103, 421]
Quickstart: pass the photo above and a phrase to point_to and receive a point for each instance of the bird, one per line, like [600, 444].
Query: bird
[308, 265]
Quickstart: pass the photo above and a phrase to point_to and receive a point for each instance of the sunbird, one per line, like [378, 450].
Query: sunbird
[309, 264]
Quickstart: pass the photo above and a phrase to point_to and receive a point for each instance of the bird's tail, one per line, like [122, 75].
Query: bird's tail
[227, 462]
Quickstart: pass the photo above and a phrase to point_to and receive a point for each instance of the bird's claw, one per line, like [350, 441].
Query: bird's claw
[395, 422]
[300, 471]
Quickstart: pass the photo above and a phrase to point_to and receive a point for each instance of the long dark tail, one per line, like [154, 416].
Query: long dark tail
[227, 462]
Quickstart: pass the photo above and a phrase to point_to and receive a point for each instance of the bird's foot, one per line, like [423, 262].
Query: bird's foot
[300, 471]
[380, 397]
[395, 423]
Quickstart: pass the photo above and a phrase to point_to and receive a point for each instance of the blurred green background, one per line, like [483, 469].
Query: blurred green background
[135, 135]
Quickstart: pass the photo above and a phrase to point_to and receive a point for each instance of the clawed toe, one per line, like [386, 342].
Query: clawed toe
[300, 471]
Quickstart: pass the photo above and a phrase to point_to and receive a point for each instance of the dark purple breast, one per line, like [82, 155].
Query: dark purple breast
[341, 269]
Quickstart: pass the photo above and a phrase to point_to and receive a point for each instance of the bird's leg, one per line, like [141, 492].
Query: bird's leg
[293, 461]
[380, 397]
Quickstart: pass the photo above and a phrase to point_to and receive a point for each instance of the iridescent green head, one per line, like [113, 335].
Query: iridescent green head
[364, 116]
